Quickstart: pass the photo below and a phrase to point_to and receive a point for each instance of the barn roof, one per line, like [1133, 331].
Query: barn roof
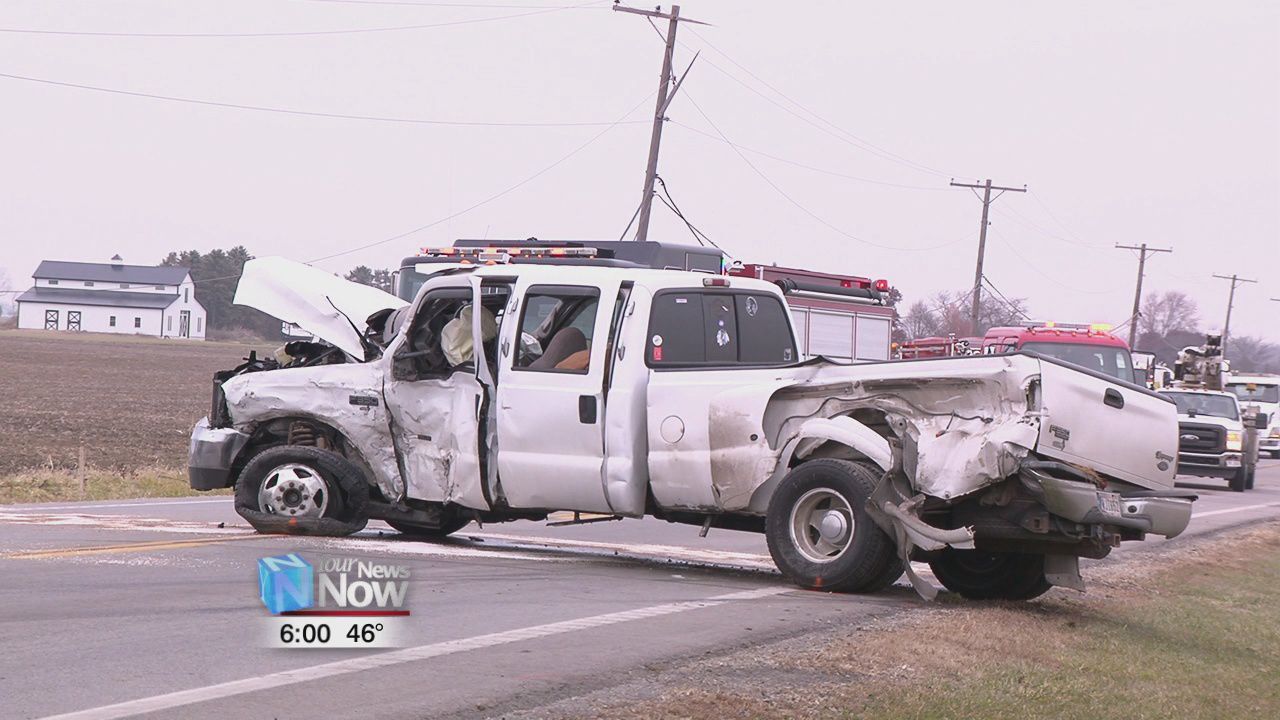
[107, 298]
[108, 272]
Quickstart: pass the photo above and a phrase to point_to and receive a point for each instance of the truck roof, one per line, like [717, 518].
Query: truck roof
[1053, 333]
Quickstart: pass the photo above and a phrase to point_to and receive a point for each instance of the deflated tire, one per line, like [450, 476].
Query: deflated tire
[301, 490]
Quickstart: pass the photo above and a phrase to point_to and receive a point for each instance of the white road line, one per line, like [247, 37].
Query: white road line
[275, 681]
[1227, 511]
[90, 506]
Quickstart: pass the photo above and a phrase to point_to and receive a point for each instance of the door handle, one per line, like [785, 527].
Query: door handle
[1113, 398]
[587, 409]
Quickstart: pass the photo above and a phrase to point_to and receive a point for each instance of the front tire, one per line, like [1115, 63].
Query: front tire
[979, 575]
[1239, 481]
[819, 532]
[302, 490]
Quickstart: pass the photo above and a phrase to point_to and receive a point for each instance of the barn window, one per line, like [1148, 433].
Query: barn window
[159, 287]
[124, 286]
[170, 323]
[186, 294]
[53, 282]
[199, 324]
[111, 321]
[88, 283]
[137, 322]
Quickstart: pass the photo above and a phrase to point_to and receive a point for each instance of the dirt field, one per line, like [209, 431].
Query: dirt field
[129, 401]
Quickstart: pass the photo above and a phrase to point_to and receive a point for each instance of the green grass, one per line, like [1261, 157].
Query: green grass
[1189, 633]
[45, 485]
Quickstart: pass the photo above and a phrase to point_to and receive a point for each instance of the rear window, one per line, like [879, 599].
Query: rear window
[718, 328]
[1250, 392]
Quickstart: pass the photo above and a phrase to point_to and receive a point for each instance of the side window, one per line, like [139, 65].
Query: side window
[557, 325]
[718, 328]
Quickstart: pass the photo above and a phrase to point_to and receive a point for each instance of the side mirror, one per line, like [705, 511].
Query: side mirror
[1262, 421]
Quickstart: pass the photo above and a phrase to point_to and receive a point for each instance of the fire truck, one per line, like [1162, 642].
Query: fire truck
[842, 317]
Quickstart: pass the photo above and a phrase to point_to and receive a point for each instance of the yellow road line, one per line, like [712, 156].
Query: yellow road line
[123, 548]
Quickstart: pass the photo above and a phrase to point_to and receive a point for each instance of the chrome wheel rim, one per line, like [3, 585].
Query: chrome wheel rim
[822, 525]
[294, 490]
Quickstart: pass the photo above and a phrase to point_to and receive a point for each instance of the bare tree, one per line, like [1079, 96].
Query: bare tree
[1169, 312]
[7, 304]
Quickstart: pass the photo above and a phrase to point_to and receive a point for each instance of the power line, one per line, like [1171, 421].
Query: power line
[298, 33]
[835, 130]
[795, 202]
[798, 164]
[309, 113]
[1000, 296]
[671, 203]
[491, 198]
[1036, 268]
[1143, 251]
[982, 237]
[1231, 299]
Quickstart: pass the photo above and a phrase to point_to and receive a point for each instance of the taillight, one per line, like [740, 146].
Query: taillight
[715, 282]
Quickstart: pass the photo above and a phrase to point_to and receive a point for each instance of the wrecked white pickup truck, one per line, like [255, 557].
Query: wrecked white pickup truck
[634, 392]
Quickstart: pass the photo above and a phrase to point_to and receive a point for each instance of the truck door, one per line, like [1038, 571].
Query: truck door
[434, 394]
[550, 408]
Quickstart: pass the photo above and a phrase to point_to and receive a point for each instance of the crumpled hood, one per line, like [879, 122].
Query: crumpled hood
[323, 304]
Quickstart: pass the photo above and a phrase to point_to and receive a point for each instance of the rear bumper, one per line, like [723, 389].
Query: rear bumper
[213, 450]
[1164, 513]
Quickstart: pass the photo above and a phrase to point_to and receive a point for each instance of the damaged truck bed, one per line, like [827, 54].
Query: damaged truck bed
[508, 392]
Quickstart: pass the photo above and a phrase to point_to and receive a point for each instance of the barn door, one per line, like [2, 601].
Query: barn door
[50, 319]
[73, 320]
[184, 324]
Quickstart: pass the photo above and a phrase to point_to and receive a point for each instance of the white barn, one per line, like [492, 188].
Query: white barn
[112, 298]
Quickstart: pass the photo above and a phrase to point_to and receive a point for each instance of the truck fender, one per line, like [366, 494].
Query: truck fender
[842, 430]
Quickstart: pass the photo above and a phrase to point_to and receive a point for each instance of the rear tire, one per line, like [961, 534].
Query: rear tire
[819, 532]
[979, 575]
[1239, 481]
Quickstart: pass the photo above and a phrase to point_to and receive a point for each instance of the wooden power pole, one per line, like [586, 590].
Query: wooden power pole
[665, 94]
[987, 187]
[1143, 251]
[1231, 299]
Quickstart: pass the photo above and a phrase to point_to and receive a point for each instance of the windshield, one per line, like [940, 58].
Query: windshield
[1259, 393]
[1221, 406]
[1111, 361]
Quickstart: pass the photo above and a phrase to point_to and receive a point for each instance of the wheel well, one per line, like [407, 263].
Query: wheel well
[872, 418]
[300, 430]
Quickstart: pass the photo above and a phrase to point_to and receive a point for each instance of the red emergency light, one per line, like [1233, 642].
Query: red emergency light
[882, 285]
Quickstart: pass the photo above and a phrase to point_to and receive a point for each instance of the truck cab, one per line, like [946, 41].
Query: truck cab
[1211, 436]
[1088, 346]
[1260, 395]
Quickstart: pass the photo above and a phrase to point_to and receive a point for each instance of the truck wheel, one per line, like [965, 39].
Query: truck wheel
[1239, 481]
[979, 575]
[302, 490]
[819, 533]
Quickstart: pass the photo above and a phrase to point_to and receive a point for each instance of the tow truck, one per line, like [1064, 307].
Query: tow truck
[509, 390]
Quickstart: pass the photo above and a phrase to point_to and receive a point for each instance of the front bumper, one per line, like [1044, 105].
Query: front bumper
[1161, 512]
[213, 450]
[1269, 442]
[1209, 464]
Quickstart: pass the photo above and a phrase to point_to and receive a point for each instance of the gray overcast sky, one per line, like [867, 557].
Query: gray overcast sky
[1129, 121]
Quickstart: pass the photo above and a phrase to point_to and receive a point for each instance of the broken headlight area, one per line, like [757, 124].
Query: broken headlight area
[298, 353]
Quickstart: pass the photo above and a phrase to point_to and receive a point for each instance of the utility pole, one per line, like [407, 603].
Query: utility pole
[664, 100]
[987, 187]
[1231, 299]
[1143, 251]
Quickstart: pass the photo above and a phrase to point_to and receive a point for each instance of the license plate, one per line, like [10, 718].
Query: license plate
[1109, 504]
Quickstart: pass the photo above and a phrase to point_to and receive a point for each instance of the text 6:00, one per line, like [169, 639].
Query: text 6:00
[304, 633]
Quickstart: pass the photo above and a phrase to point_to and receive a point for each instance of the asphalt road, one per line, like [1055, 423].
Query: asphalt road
[128, 608]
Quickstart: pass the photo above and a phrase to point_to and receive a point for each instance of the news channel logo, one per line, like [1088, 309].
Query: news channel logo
[291, 584]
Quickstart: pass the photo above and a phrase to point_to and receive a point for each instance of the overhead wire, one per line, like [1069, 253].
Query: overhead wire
[310, 113]
[835, 130]
[795, 202]
[671, 202]
[297, 33]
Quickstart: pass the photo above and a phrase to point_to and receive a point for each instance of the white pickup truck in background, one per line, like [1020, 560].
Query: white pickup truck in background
[510, 391]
